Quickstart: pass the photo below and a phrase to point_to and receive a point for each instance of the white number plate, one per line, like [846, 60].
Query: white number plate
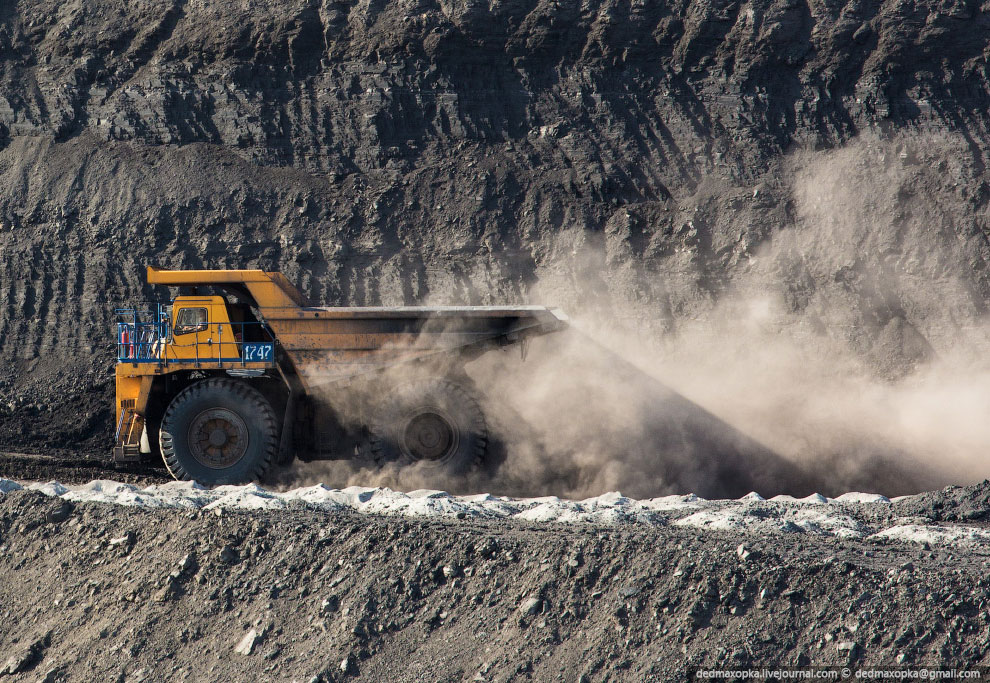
[258, 352]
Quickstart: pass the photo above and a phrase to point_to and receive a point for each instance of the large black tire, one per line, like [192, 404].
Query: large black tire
[219, 431]
[434, 422]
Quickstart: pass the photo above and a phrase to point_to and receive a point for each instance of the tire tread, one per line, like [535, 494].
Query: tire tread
[376, 448]
[244, 393]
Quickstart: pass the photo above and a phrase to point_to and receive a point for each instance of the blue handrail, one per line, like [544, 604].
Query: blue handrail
[140, 340]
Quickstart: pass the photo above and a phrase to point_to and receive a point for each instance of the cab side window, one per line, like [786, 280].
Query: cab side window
[190, 320]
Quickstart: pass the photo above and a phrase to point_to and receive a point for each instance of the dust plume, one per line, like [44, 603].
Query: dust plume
[856, 343]
[845, 351]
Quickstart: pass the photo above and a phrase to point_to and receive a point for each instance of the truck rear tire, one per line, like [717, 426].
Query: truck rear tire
[219, 431]
[433, 422]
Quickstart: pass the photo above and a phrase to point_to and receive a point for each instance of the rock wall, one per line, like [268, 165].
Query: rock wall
[608, 156]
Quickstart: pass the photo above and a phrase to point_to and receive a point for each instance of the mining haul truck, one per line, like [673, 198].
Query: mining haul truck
[241, 374]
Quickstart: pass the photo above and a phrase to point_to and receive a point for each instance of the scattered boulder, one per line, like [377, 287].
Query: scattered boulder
[126, 540]
[246, 645]
[229, 555]
[52, 675]
[530, 606]
[60, 512]
[17, 663]
[26, 657]
[848, 647]
[630, 591]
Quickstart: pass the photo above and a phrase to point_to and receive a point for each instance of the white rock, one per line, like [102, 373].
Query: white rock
[246, 646]
[6, 486]
[854, 497]
[936, 535]
[782, 514]
[531, 606]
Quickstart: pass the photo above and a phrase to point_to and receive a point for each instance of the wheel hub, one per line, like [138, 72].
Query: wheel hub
[429, 436]
[218, 438]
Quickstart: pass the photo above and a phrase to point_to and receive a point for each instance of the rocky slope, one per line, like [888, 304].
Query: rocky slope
[636, 161]
[96, 590]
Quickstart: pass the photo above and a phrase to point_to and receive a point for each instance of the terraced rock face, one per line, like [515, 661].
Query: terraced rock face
[632, 159]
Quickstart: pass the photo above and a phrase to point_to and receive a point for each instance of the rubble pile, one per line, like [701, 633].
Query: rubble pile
[302, 592]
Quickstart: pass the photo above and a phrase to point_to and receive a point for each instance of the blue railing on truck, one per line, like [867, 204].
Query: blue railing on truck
[140, 340]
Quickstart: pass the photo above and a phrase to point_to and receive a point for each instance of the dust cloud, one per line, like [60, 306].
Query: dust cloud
[847, 351]
[856, 345]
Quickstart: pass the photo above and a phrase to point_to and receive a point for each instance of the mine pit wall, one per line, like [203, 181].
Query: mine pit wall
[626, 159]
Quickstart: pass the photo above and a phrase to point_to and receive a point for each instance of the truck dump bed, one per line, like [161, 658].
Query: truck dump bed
[328, 344]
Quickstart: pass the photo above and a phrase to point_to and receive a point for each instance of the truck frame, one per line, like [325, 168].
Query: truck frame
[241, 374]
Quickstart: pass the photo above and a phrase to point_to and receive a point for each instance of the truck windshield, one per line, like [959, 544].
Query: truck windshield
[190, 320]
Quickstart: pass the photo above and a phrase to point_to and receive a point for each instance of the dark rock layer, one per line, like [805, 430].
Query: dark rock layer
[606, 156]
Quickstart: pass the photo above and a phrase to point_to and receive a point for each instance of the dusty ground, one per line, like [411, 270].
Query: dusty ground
[74, 468]
[95, 590]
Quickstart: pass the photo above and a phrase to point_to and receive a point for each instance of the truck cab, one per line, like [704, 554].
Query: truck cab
[202, 330]
[197, 329]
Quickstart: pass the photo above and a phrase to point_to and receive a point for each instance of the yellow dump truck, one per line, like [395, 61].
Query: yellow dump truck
[240, 374]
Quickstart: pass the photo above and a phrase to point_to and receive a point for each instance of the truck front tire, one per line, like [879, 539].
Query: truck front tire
[219, 431]
[435, 423]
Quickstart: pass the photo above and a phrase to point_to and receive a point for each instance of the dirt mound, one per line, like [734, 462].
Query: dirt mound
[93, 590]
[952, 504]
